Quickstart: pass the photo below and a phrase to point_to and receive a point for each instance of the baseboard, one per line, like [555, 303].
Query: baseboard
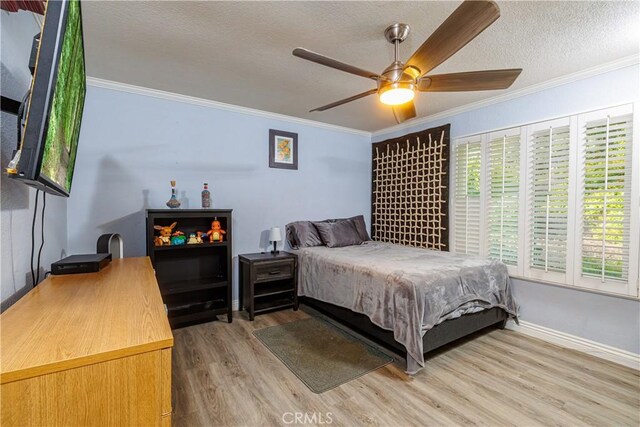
[235, 305]
[562, 339]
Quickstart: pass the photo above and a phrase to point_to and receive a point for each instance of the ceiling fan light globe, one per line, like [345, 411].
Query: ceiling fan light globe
[397, 94]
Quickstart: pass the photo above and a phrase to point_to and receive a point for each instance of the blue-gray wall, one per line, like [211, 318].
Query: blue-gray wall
[605, 319]
[131, 146]
[601, 318]
[17, 31]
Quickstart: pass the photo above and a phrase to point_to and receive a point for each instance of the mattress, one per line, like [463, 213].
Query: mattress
[404, 289]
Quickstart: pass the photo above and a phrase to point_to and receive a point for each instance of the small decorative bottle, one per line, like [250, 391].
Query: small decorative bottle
[206, 196]
[173, 202]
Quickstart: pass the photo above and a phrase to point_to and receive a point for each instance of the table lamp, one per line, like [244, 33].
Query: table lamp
[275, 236]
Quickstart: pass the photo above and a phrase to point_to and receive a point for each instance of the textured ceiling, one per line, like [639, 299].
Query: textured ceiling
[240, 52]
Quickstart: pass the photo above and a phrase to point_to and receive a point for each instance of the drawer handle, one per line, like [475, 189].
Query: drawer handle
[272, 273]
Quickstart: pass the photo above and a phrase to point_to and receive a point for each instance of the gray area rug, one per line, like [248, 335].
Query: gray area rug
[320, 354]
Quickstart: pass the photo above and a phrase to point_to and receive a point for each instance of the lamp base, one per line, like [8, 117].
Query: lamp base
[275, 251]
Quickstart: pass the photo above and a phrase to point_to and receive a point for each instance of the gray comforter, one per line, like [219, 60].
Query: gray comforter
[403, 289]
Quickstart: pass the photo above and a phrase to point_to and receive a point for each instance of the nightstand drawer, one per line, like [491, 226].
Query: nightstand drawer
[269, 271]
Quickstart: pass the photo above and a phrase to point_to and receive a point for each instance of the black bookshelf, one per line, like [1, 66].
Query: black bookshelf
[195, 280]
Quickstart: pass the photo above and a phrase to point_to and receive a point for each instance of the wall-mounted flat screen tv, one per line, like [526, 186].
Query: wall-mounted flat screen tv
[54, 108]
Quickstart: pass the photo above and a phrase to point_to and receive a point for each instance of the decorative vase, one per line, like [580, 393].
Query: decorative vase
[206, 196]
[173, 202]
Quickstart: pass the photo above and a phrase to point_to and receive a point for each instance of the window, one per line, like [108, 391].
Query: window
[548, 199]
[557, 200]
[467, 197]
[605, 198]
[503, 196]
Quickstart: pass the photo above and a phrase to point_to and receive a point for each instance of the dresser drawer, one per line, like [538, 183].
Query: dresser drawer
[269, 271]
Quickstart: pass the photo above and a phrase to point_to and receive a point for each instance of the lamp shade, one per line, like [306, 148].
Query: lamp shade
[275, 235]
[397, 93]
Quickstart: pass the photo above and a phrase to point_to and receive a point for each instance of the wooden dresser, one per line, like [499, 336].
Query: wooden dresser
[88, 349]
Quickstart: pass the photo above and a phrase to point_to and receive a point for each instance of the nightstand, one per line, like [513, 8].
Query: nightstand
[268, 282]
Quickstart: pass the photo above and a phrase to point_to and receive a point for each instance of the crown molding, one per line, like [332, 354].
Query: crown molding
[171, 96]
[627, 61]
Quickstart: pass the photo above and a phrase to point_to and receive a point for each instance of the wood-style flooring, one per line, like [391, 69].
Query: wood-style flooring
[224, 376]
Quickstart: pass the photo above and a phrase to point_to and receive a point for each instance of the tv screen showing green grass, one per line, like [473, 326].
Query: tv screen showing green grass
[63, 131]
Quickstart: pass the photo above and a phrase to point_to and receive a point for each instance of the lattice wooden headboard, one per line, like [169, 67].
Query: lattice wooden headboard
[410, 189]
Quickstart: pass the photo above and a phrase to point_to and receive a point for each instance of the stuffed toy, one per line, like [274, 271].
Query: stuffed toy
[165, 234]
[216, 233]
[178, 238]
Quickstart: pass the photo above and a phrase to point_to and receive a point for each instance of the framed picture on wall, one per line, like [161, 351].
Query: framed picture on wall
[283, 149]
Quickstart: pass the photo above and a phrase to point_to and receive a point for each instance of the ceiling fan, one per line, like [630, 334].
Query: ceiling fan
[398, 83]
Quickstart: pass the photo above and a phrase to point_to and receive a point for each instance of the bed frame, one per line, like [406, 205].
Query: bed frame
[442, 334]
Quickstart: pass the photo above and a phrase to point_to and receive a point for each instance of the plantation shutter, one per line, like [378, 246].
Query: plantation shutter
[557, 200]
[503, 195]
[466, 202]
[606, 197]
[548, 196]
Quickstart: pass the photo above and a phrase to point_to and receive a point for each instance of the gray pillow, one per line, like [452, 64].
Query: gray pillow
[361, 227]
[358, 221]
[302, 234]
[339, 233]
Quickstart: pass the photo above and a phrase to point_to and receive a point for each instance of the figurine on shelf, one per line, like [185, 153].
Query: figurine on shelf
[173, 202]
[165, 234]
[216, 233]
[206, 197]
[199, 237]
[192, 239]
[178, 238]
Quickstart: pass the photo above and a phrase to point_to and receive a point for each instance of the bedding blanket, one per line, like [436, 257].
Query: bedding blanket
[404, 289]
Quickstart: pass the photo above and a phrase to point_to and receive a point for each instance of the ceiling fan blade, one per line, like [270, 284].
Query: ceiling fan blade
[462, 26]
[344, 101]
[404, 111]
[469, 81]
[329, 62]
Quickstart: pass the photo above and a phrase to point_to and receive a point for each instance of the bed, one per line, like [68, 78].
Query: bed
[413, 300]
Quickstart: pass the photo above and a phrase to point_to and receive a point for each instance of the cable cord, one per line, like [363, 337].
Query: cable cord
[33, 238]
[21, 109]
[44, 206]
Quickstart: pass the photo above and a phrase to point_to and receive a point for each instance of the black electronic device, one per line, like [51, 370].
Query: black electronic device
[76, 264]
[33, 58]
[53, 108]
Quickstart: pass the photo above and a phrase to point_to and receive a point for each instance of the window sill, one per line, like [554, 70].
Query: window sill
[575, 288]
